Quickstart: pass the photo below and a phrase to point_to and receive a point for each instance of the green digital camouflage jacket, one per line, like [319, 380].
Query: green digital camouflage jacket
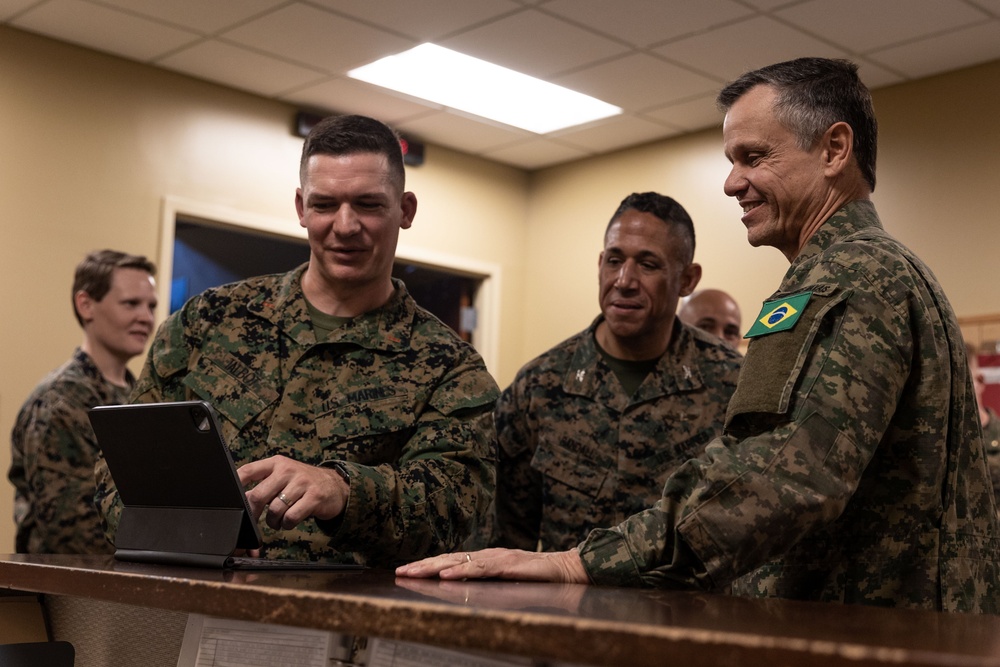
[394, 394]
[853, 467]
[53, 451]
[577, 453]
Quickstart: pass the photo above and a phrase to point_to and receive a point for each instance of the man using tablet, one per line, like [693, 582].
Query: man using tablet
[361, 426]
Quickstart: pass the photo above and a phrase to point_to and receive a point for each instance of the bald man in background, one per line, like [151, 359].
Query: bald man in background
[714, 311]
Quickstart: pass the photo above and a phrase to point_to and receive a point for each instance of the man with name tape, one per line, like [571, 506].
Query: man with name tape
[361, 425]
[590, 430]
[852, 468]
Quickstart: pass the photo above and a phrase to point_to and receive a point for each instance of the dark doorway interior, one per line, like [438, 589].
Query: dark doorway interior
[208, 254]
[447, 295]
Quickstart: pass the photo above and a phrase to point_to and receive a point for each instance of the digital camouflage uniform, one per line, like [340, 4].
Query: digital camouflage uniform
[991, 438]
[576, 452]
[393, 393]
[53, 450]
[852, 468]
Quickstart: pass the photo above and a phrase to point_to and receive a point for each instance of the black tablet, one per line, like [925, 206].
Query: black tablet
[183, 503]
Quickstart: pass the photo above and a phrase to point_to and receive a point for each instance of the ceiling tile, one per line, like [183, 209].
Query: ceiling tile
[197, 15]
[862, 25]
[712, 52]
[696, 114]
[768, 5]
[238, 67]
[103, 29]
[615, 82]
[343, 95]
[992, 6]
[8, 8]
[646, 22]
[534, 43]
[614, 133]
[961, 48]
[458, 131]
[317, 38]
[425, 20]
[299, 51]
[874, 75]
[535, 154]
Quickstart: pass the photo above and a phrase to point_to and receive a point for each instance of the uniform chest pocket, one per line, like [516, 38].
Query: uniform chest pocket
[672, 454]
[573, 469]
[372, 431]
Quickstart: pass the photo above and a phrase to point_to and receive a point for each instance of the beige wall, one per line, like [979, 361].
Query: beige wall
[90, 145]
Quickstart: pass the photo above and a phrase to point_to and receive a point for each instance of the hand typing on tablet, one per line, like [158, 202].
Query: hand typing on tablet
[292, 491]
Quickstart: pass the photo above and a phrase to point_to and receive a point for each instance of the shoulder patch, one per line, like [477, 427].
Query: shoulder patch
[779, 315]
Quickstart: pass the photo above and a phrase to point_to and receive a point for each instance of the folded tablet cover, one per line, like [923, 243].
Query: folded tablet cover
[183, 502]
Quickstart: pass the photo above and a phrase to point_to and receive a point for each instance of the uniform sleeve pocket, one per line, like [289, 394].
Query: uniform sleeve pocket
[217, 382]
[775, 361]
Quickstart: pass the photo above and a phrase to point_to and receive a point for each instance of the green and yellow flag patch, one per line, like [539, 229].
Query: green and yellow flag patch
[779, 315]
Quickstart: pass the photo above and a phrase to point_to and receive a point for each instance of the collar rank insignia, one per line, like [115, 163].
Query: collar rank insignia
[779, 315]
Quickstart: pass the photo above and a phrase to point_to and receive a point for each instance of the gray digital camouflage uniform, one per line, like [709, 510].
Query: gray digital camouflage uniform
[852, 468]
[576, 452]
[53, 450]
[393, 393]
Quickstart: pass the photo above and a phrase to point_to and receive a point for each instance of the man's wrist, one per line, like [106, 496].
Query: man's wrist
[572, 566]
[341, 470]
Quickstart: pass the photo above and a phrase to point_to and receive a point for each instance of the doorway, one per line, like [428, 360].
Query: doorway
[204, 245]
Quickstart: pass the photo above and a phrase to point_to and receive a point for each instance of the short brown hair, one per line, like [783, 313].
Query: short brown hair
[93, 274]
[812, 95]
[348, 135]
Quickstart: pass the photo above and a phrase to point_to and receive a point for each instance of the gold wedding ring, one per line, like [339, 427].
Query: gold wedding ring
[283, 498]
[468, 557]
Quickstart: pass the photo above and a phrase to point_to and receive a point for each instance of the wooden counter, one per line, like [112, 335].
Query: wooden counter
[566, 622]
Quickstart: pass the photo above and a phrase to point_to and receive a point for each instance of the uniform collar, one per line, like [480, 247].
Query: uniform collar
[676, 371]
[384, 328]
[90, 369]
[851, 218]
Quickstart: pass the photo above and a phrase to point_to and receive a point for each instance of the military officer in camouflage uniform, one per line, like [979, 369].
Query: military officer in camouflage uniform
[990, 422]
[53, 447]
[590, 430]
[852, 468]
[716, 312]
[362, 423]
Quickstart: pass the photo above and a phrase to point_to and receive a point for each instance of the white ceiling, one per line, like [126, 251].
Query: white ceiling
[660, 60]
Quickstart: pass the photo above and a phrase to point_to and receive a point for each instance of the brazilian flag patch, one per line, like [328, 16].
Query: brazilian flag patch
[779, 315]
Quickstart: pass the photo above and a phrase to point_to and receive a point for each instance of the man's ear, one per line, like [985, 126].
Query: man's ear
[690, 278]
[838, 148]
[300, 206]
[409, 206]
[84, 305]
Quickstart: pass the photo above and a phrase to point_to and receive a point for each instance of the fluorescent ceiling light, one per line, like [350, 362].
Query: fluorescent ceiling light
[475, 86]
